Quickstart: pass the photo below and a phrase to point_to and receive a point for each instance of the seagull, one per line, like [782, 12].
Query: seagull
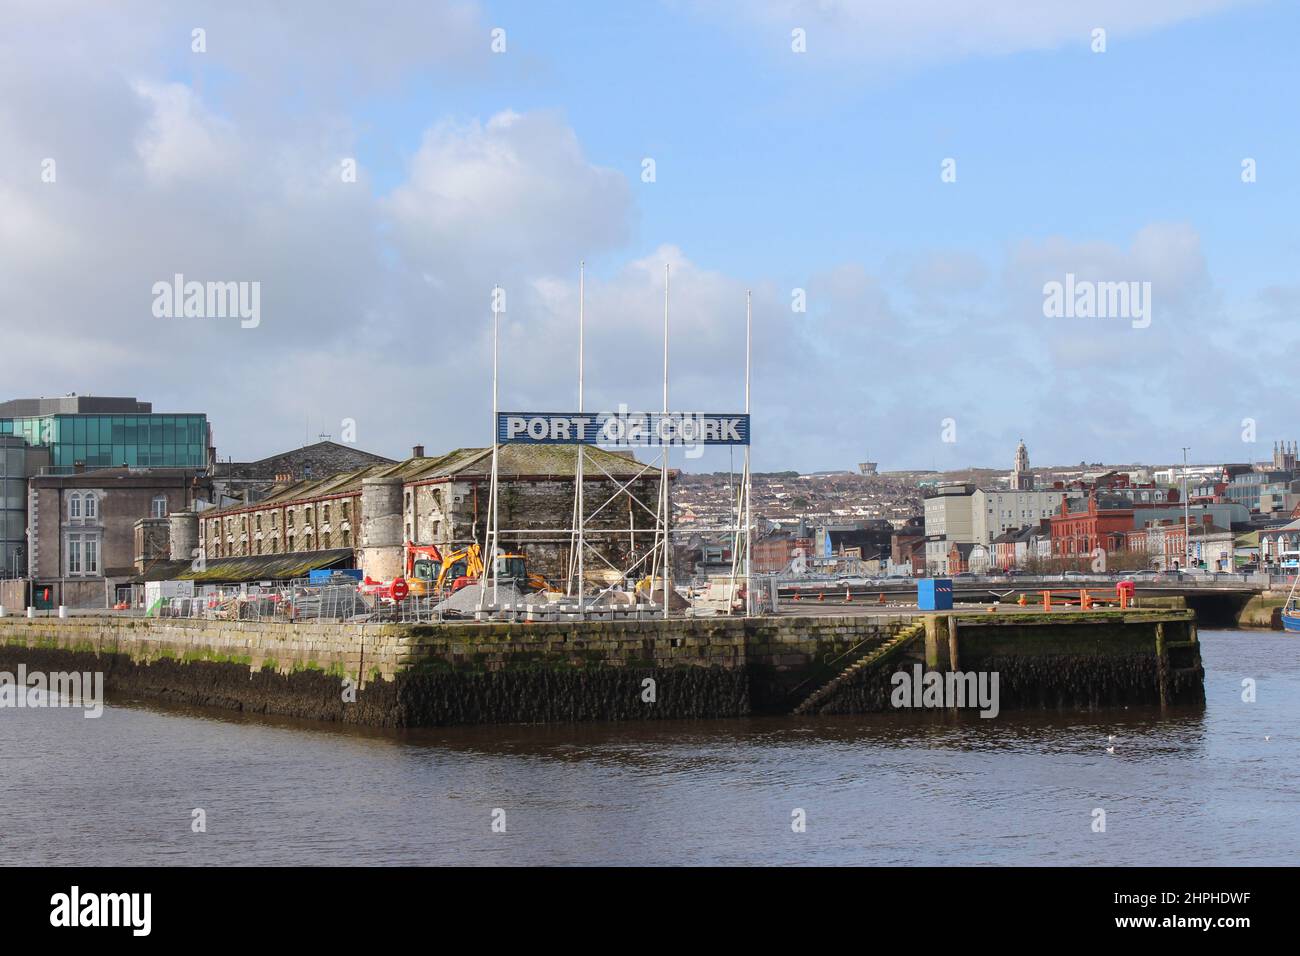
[1110, 750]
[1110, 739]
[1268, 736]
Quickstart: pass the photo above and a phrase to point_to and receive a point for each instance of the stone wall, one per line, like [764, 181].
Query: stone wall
[415, 675]
[435, 674]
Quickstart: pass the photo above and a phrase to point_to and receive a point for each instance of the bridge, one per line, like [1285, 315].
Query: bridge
[1218, 599]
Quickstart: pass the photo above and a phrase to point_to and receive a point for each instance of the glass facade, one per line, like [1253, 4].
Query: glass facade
[106, 441]
[13, 509]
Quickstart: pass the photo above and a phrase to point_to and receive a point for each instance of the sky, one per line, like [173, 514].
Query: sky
[897, 186]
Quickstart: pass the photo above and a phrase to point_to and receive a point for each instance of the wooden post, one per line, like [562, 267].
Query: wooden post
[1162, 665]
[953, 660]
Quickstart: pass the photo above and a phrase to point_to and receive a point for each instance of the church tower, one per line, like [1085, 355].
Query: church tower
[1021, 478]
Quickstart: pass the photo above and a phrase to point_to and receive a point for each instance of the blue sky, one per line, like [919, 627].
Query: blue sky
[775, 171]
[750, 139]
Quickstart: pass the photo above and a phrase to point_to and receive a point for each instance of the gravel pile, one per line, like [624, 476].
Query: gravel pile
[466, 600]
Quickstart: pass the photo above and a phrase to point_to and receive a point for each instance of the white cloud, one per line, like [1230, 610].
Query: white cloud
[182, 140]
[516, 189]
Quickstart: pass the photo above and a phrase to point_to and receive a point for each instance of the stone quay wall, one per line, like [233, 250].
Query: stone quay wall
[429, 674]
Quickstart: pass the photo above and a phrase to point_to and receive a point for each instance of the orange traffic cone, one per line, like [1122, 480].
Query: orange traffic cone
[848, 598]
[796, 595]
[1022, 602]
[881, 599]
[821, 596]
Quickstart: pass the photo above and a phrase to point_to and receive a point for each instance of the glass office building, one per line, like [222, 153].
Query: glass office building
[107, 433]
[13, 507]
[106, 441]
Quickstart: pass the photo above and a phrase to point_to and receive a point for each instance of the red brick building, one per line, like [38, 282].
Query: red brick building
[1085, 525]
[774, 554]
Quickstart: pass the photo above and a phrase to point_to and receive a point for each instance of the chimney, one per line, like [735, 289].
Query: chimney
[417, 451]
[78, 467]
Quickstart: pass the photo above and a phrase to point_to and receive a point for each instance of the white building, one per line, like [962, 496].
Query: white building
[996, 512]
[964, 514]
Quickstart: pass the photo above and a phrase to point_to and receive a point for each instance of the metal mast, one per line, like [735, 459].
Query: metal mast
[749, 525]
[492, 484]
[663, 474]
[581, 450]
[1187, 517]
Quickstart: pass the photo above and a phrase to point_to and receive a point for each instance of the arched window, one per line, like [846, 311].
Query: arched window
[74, 506]
[90, 505]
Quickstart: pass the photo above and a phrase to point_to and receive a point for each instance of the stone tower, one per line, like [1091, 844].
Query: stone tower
[1021, 478]
[380, 553]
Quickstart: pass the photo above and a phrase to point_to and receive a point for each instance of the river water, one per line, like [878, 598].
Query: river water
[1213, 786]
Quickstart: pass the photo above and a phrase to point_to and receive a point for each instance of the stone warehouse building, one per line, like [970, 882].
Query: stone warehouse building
[444, 501]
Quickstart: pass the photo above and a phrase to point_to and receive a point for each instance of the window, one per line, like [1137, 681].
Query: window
[90, 505]
[83, 555]
[74, 506]
[158, 507]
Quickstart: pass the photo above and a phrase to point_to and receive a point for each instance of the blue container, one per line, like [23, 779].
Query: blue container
[934, 594]
[324, 576]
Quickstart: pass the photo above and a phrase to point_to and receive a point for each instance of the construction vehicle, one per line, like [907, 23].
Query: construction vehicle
[429, 571]
[423, 564]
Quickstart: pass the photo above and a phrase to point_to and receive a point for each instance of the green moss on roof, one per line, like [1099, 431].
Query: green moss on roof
[266, 567]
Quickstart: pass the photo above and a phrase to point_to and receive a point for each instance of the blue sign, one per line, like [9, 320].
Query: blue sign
[621, 428]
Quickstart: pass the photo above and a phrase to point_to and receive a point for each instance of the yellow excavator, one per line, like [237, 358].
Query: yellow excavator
[429, 571]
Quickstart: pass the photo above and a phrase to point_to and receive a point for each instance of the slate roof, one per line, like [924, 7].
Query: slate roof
[537, 461]
[265, 567]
